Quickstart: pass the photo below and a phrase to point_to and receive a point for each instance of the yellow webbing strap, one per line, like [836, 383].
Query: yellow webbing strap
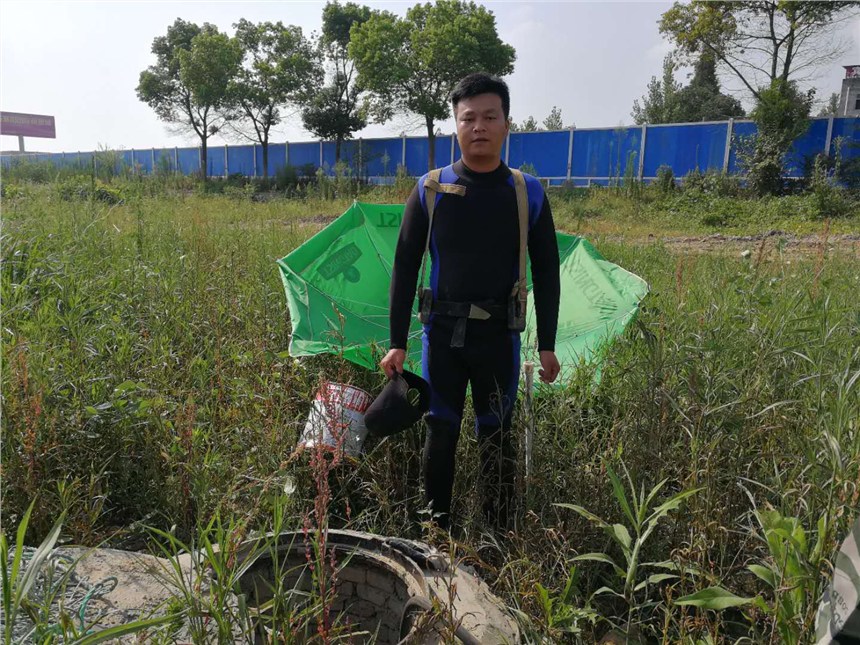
[431, 187]
[523, 211]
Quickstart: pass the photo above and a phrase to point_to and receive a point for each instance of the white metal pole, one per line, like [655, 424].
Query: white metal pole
[829, 137]
[529, 369]
[403, 151]
[642, 151]
[508, 148]
[569, 152]
[226, 158]
[453, 141]
[728, 151]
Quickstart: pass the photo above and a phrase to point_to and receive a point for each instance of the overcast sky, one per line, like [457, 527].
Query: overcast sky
[80, 62]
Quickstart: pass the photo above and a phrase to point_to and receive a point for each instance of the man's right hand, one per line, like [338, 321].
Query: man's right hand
[393, 362]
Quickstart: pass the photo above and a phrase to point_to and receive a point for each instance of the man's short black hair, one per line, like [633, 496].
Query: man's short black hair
[480, 83]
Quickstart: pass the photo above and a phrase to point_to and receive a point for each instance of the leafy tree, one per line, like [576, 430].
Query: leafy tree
[832, 106]
[702, 100]
[280, 67]
[659, 105]
[553, 121]
[529, 125]
[410, 64]
[759, 41]
[333, 112]
[189, 81]
[781, 115]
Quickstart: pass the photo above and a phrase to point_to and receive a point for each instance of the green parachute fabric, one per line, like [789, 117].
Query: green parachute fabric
[337, 291]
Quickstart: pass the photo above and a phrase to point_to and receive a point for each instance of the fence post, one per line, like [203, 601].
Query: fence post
[569, 152]
[453, 141]
[507, 147]
[254, 157]
[360, 157]
[728, 151]
[321, 153]
[829, 137]
[642, 150]
[226, 160]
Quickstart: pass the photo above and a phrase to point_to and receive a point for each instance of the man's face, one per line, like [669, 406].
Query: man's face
[481, 126]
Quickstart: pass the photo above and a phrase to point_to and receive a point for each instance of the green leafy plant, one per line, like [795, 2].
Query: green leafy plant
[792, 573]
[643, 518]
[562, 614]
[17, 581]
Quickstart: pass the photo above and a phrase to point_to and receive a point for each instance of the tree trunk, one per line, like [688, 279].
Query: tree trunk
[204, 166]
[265, 145]
[431, 144]
[337, 149]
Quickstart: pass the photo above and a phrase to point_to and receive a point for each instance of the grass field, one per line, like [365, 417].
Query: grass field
[146, 383]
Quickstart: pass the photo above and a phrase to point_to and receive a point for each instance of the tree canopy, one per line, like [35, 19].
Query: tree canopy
[190, 79]
[409, 65]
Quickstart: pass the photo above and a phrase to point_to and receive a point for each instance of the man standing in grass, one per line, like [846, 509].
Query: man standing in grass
[475, 219]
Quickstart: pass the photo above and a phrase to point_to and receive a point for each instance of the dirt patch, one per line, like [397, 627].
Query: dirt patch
[739, 244]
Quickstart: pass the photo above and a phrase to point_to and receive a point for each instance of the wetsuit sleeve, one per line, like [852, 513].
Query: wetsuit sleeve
[543, 251]
[407, 262]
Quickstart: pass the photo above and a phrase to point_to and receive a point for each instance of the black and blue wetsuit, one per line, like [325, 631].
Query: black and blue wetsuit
[474, 257]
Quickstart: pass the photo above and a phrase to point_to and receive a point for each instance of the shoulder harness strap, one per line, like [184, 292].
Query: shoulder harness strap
[431, 187]
[519, 289]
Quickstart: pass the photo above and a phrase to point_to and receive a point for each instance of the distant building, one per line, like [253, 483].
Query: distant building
[849, 100]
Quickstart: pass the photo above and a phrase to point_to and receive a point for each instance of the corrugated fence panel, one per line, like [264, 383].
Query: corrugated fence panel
[684, 147]
[805, 147]
[349, 155]
[165, 161]
[604, 154]
[240, 160]
[277, 158]
[189, 160]
[329, 154]
[742, 137]
[416, 155]
[443, 151]
[143, 161]
[215, 166]
[546, 151]
[848, 130]
[302, 154]
[383, 156]
[598, 154]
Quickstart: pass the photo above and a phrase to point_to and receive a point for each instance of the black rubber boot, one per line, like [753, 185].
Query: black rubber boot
[440, 449]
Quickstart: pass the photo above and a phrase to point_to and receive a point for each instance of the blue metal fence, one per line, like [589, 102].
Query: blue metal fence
[580, 156]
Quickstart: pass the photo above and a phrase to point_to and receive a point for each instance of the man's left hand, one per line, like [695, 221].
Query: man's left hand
[549, 367]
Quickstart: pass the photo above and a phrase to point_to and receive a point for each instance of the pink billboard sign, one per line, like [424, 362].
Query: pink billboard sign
[27, 125]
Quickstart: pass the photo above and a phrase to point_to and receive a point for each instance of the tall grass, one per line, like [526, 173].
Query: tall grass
[146, 381]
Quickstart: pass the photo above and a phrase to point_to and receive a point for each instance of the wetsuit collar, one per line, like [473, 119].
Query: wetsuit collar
[498, 175]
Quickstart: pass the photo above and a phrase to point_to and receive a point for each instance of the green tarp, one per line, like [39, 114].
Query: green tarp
[337, 290]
